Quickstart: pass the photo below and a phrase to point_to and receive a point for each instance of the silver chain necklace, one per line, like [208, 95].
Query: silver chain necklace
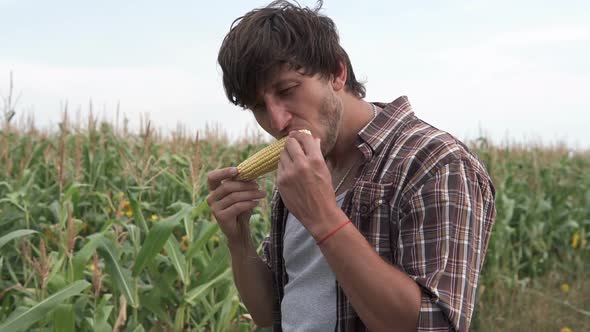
[350, 169]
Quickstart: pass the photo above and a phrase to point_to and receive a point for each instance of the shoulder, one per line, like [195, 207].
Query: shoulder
[419, 151]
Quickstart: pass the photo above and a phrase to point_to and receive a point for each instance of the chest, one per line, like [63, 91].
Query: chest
[371, 208]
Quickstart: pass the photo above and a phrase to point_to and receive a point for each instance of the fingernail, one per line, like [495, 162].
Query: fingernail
[233, 171]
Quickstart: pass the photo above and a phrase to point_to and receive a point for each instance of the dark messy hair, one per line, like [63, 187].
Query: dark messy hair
[281, 34]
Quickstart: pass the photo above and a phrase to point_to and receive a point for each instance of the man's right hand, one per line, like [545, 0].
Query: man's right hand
[232, 201]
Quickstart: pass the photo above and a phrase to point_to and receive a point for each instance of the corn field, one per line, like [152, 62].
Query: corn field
[105, 230]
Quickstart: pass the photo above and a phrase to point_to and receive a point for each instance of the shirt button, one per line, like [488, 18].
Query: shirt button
[364, 208]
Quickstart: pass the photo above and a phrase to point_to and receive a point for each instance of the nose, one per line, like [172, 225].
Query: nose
[278, 114]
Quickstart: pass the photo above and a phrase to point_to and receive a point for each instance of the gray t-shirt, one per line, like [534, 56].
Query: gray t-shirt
[309, 303]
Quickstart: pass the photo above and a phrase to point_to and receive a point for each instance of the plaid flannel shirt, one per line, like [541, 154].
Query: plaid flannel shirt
[425, 202]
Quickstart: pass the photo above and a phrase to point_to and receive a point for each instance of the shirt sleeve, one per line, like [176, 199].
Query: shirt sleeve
[445, 226]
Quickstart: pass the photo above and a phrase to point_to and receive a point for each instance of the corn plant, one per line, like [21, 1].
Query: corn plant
[105, 230]
[102, 232]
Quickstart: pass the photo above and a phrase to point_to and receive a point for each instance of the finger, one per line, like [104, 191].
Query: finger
[280, 168]
[228, 187]
[281, 173]
[237, 197]
[306, 141]
[285, 161]
[238, 208]
[294, 149]
[215, 177]
[314, 148]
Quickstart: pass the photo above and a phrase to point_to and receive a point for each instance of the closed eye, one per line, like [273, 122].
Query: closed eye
[287, 91]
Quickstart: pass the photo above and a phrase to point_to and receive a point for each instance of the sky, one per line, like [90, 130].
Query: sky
[513, 71]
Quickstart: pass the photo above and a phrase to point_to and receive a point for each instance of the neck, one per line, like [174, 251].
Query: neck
[355, 115]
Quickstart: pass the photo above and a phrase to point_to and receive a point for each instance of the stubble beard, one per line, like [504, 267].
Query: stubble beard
[330, 116]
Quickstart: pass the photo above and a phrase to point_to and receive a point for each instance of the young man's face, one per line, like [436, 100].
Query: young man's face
[293, 101]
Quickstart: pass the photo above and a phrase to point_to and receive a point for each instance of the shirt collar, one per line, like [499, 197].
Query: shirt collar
[388, 122]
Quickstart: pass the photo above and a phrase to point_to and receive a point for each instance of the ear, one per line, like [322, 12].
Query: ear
[339, 80]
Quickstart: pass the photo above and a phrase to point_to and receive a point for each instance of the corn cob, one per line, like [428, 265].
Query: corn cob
[263, 161]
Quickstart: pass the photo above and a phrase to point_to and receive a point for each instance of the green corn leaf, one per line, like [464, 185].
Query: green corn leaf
[13, 200]
[156, 239]
[153, 301]
[73, 193]
[56, 282]
[164, 283]
[58, 213]
[7, 185]
[119, 274]
[11, 272]
[229, 310]
[27, 318]
[177, 259]
[181, 183]
[137, 214]
[189, 226]
[196, 294]
[101, 315]
[134, 235]
[37, 154]
[64, 319]
[10, 217]
[84, 254]
[181, 160]
[202, 207]
[97, 170]
[139, 328]
[206, 231]
[217, 264]
[208, 317]
[179, 318]
[153, 244]
[14, 235]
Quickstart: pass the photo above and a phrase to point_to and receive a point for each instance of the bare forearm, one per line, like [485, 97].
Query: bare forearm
[383, 296]
[254, 282]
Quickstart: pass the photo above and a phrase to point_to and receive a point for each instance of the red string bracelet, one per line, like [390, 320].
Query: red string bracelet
[332, 232]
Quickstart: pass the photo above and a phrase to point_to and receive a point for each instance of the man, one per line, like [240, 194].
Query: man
[380, 221]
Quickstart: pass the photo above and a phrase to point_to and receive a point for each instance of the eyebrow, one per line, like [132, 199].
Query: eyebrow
[278, 85]
[284, 82]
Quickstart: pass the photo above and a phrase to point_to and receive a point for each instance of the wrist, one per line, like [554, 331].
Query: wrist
[334, 231]
[327, 224]
[240, 252]
[239, 244]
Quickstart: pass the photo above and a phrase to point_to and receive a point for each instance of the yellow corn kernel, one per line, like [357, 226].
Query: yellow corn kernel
[263, 161]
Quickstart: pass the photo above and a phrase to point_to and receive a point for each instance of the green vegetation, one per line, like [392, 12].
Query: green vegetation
[101, 230]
